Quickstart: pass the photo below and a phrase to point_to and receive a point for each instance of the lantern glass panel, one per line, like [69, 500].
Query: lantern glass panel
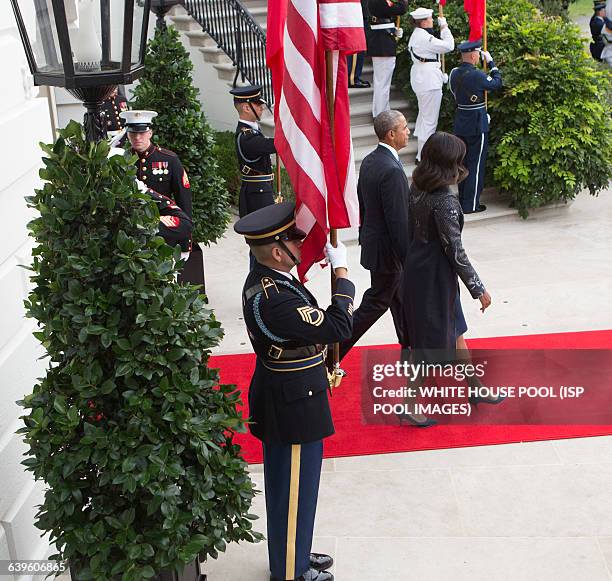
[39, 20]
[137, 32]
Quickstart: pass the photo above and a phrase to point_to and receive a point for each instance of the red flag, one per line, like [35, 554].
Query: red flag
[322, 172]
[476, 10]
[442, 2]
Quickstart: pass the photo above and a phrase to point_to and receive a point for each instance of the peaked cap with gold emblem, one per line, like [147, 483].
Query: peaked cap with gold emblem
[270, 224]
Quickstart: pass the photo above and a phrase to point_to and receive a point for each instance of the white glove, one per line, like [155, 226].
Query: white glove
[486, 55]
[115, 151]
[399, 32]
[142, 187]
[336, 256]
[488, 119]
[114, 141]
[442, 22]
[444, 78]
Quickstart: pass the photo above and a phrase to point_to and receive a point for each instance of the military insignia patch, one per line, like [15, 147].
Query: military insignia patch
[311, 315]
[266, 283]
[185, 180]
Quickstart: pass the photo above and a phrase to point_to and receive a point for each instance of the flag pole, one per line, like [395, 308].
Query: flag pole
[484, 46]
[336, 373]
[277, 174]
[441, 14]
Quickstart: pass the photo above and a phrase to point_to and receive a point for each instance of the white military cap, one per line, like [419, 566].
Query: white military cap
[138, 121]
[422, 13]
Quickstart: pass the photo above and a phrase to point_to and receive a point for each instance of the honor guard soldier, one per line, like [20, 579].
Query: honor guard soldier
[253, 150]
[596, 24]
[382, 45]
[355, 61]
[288, 400]
[468, 85]
[606, 35]
[112, 109]
[426, 76]
[162, 175]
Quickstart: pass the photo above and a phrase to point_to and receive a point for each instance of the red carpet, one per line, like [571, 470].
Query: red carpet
[354, 439]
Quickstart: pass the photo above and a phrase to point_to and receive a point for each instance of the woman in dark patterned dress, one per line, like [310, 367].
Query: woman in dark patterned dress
[436, 259]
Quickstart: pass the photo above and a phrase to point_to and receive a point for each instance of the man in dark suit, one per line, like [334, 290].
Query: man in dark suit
[288, 401]
[383, 235]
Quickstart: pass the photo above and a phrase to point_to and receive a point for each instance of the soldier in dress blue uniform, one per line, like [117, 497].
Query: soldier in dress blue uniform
[253, 150]
[355, 60]
[112, 109]
[596, 25]
[161, 174]
[468, 85]
[288, 399]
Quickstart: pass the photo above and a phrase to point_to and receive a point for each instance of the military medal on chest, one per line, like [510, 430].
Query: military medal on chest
[159, 168]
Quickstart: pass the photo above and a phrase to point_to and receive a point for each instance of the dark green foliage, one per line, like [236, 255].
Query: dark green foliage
[225, 151]
[554, 7]
[551, 133]
[166, 87]
[130, 430]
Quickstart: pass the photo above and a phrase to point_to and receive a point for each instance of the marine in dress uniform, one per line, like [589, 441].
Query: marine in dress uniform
[355, 60]
[426, 76]
[596, 25]
[112, 109]
[468, 85]
[253, 150]
[162, 173]
[288, 398]
[382, 45]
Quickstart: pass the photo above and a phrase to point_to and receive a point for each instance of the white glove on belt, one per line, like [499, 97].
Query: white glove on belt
[142, 186]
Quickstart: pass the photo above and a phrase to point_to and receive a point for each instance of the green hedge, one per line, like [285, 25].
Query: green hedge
[129, 429]
[551, 133]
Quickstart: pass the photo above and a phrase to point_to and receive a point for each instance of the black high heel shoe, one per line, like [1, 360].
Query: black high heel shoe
[411, 420]
[476, 400]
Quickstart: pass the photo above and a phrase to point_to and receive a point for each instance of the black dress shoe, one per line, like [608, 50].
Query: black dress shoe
[481, 208]
[411, 420]
[312, 575]
[359, 84]
[320, 561]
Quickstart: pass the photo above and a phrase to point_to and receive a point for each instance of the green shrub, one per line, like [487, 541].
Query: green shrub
[130, 429]
[166, 87]
[551, 133]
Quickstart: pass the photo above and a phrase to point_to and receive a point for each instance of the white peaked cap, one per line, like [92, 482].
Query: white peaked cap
[422, 13]
[138, 117]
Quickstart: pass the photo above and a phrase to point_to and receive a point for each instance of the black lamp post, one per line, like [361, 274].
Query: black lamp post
[161, 8]
[86, 46]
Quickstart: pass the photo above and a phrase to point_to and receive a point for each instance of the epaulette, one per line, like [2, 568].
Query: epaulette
[167, 151]
[266, 283]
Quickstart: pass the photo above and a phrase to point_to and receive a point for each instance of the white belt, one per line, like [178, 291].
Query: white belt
[382, 26]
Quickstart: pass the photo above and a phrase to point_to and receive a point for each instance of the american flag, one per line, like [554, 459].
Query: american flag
[321, 168]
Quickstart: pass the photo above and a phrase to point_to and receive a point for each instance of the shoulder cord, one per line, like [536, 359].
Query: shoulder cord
[242, 154]
[257, 313]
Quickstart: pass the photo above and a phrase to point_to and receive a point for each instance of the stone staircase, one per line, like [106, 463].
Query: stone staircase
[364, 139]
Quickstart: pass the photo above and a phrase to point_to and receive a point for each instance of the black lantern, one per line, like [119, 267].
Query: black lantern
[87, 46]
[161, 8]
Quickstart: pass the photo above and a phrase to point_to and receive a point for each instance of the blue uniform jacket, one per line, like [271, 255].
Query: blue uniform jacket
[288, 393]
[468, 85]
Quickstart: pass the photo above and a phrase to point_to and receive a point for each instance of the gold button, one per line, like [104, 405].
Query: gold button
[310, 393]
[142, 160]
[144, 177]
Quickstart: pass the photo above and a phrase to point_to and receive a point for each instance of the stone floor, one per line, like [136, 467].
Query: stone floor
[539, 511]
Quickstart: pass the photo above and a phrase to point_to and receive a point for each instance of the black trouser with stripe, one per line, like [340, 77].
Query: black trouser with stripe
[355, 66]
[475, 158]
[292, 473]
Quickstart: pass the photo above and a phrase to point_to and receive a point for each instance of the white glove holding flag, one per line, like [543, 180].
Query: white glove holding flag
[399, 32]
[444, 78]
[486, 55]
[337, 256]
[442, 22]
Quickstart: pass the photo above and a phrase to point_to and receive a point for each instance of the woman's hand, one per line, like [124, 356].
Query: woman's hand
[485, 301]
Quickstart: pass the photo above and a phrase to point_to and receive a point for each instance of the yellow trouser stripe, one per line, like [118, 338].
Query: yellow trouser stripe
[294, 487]
[353, 68]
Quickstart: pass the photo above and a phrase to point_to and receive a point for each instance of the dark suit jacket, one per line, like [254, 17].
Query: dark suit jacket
[383, 207]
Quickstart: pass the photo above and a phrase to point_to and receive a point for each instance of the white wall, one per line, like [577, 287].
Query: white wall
[24, 121]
